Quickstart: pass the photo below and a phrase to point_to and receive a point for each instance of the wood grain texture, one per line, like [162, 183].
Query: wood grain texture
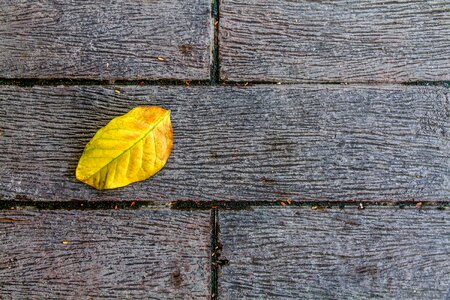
[105, 39]
[263, 143]
[299, 253]
[140, 254]
[345, 41]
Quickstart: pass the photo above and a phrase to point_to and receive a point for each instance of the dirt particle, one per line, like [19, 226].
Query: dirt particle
[186, 49]
[371, 270]
[268, 181]
[11, 220]
[348, 222]
[318, 207]
[177, 279]
[22, 198]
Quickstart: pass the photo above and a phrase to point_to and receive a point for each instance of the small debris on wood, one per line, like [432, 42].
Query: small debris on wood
[361, 206]
[141, 83]
[9, 220]
[176, 273]
[65, 242]
[419, 205]
[223, 262]
[133, 203]
[187, 82]
[289, 201]
[160, 58]
[117, 92]
[282, 203]
[318, 207]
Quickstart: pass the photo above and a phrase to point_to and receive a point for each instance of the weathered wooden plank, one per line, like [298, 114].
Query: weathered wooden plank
[349, 41]
[105, 39]
[140, 254]
[270, 143]
[299, 253]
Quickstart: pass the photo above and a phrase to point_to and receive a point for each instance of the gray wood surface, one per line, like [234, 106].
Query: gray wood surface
[346, 41]
[137, 254]
[376, 253]
[105, 39]
[262, 143]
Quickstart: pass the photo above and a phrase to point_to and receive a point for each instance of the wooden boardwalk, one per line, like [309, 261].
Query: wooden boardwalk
[311, 155]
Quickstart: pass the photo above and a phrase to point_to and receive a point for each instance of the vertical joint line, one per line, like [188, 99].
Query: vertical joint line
[215, 64]
[215, 252]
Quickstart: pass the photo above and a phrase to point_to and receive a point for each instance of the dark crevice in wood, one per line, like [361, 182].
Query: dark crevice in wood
[445, 84]
[215, 63]
[76, 205]
[215, 80]
[429, 83]
[207, 205]
[215, 252]
[245, 205]
[29, 82]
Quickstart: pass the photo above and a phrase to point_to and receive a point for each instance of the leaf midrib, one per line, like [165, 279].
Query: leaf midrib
[134, 144]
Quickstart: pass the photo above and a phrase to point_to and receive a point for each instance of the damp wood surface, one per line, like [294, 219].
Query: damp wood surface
[124, 254]
[105, 40]
[301, 253]
[334, 41]
[260, 143]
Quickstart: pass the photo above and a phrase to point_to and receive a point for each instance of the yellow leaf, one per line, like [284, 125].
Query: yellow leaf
[130, 148]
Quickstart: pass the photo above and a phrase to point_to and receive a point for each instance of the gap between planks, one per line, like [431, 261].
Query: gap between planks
[215, 50]
[215, 80]
[214, 206]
